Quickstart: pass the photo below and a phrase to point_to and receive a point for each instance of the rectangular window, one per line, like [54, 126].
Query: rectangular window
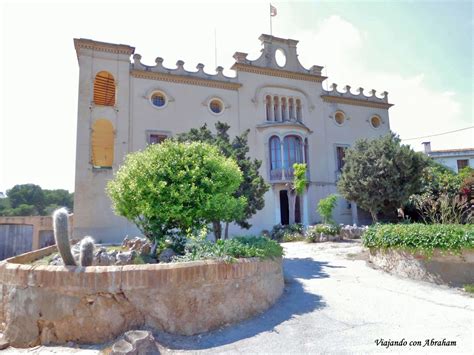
[340, 155]
[462, 163]
[156, 137]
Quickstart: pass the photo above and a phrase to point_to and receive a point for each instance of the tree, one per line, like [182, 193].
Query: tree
[326, 207]
[380, 175]
[296, 188]
[444, 196]
[32, 200]
[252, 187]
[176, 187]
[58, 197]
[27, 194]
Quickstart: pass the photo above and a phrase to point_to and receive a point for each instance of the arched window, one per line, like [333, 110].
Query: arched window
[275, 153]
[276, 109]
[298, 110]
[292, 151]
[275, 158]
[102, 144]
[104, 89]
[283, 109]
[291, 108]
[268, 107]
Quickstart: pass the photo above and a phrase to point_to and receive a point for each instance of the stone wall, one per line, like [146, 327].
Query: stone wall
[440, 268]
[55, 304]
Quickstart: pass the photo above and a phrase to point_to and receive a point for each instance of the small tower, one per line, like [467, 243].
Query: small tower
[102, 130]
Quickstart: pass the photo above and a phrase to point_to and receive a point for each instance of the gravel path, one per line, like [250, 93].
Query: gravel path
[334, 303]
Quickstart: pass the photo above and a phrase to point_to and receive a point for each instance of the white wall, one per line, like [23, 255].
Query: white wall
[187, 108]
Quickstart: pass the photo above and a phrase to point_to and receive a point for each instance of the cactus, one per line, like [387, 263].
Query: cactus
[60, 226]
[86, 255]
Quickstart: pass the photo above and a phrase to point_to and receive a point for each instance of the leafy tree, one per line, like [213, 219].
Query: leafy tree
[40, 202]
[59, 197]
[252, 187]
[380, 175]
[326, 207]
[444, 196]
[296, 188]
[27, 194]
[4, 206]
[23, 210]
[176, 187]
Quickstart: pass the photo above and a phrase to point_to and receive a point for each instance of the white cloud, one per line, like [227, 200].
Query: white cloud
[419, 110]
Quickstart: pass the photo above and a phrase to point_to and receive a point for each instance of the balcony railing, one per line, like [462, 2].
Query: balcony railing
[283, 174]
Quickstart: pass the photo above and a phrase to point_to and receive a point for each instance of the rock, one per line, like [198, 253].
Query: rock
[145, 249]
[333, 238]
[4, 343]
[166, 255]
[125, 257]
[142, 341]
[56, 260]
[140, 245]
[135, 342]
[125, 242]
[352, 232]
[122, 347]
[102, 258]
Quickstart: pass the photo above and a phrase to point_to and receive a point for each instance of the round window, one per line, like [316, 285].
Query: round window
[158, 99]
[339, 118]
[216, 106]
[375, 121]
[280, 57]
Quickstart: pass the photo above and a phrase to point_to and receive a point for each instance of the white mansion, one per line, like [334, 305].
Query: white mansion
[124, 106]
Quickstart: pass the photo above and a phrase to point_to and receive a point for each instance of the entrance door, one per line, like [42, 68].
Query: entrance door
[284, 211]
[297, 210]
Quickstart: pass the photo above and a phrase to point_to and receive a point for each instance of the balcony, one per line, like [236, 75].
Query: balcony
[283, 174]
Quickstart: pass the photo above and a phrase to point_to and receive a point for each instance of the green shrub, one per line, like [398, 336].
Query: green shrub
[326, 207]
[329, 229]
[313, 233]
[176, 187]
[469, 288]
[231, 249]
[287, 233]
[420, 237]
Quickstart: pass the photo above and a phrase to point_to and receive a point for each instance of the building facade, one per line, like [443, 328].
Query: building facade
[124, 105]
[454, 159]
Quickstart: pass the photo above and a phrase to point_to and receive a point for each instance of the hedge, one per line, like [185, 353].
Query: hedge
[420, 237]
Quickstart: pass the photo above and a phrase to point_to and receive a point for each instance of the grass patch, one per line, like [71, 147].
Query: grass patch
[423, 238]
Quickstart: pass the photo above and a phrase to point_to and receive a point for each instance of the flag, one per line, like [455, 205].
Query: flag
[273, 10]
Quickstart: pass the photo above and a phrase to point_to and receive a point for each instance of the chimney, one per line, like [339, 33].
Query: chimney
[427, 147]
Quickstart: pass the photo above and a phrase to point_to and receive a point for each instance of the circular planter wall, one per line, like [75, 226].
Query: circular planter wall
[57, 304]
[440, 268]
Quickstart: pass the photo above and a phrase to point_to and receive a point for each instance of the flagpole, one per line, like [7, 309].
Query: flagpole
[215, 46]
[271, 30]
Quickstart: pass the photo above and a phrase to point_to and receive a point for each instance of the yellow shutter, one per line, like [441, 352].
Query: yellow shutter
[102, 144]
[104, 89]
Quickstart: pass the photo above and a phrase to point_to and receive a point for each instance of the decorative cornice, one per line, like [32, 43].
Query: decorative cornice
[181, 79]
[359, 99]
[83, 43]
[278, 73]
[284, 124]
[355, 102]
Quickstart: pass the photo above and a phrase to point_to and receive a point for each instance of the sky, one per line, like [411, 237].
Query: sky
[421, 52]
